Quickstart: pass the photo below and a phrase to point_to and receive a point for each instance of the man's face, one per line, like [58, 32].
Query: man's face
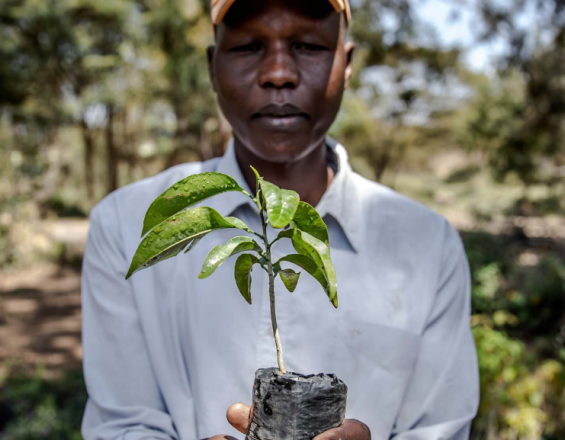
[279, 69]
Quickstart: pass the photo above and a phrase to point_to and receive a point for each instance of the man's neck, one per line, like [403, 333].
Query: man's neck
[309, 177]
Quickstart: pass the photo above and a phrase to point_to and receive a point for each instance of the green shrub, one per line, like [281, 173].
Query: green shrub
[517, 322]
[522, 395]
[33, 408]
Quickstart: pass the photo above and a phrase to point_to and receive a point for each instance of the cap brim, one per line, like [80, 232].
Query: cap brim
[221, 7]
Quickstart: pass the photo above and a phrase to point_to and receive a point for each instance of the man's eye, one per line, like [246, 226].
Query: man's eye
[251, 47]
[308, 47]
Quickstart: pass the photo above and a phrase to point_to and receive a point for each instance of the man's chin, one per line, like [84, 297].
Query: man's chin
[286, 150]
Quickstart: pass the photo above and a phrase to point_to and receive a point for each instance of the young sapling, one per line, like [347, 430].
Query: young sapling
[170, 227]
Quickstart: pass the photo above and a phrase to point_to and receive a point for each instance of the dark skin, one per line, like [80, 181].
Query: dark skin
[279, 69]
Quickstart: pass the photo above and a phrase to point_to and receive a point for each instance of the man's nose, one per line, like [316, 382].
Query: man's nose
[279, 69]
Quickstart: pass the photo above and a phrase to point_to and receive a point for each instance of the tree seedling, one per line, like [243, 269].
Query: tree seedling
[170, 227]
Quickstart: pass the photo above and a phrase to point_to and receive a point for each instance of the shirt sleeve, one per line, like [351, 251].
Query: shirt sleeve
[124, 401]
[443, 395]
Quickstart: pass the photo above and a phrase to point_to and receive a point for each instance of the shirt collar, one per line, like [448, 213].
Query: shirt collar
[226, 204]
[341, 199]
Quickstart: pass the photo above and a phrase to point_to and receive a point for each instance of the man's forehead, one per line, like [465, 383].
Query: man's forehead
[283, 18]
[234, 12]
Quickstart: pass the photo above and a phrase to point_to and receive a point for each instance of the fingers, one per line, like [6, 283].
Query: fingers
[239, 416]
[333, 434]
[351, 429]
[221, 437]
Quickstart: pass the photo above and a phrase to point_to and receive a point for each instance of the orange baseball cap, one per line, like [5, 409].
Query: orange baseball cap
[220, 8]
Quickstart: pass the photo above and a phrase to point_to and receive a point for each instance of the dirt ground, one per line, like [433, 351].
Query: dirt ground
[40, 320]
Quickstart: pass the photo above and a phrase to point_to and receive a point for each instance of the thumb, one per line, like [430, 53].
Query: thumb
[239, 415]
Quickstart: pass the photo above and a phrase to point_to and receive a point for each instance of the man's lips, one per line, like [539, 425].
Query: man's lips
[279, 111]
[286, 116]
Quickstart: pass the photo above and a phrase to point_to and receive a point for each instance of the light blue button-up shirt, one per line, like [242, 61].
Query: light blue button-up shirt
[165, 353]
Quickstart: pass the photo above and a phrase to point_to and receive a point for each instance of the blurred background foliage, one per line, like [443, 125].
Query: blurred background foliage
[97, 94]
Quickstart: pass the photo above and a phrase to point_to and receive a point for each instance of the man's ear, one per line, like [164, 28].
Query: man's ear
[349, 51]
[210, 52]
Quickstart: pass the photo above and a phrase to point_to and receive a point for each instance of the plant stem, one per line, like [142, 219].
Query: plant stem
[274, 319]
[272, 294]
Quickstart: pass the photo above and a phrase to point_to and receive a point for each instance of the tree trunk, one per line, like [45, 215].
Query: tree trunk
[174, 158]
[205, 149]
[380, 165]
[88, 160]
[111, 154]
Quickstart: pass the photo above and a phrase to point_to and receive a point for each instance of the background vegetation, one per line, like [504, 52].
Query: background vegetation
[97, 94]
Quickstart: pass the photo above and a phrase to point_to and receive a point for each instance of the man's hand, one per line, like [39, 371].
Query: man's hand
[221, 437]
[240, 415]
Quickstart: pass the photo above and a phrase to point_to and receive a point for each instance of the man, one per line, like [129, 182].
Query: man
[165, 353]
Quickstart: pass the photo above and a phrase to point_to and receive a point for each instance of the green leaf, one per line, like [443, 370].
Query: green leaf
[170, 237]
[308, 220]
[194, 243]
[257, 175]
[221, 253]
[308, 245]
[186, 193]
[243, 267]
[238, 224]
[312, 268]
[289, 279]
[281, 203]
